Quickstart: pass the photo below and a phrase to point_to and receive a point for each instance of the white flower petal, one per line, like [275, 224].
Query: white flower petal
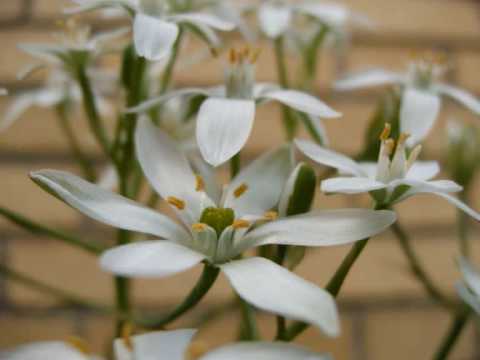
[330, 158]
[418, 113]
[273, 288]
[265, 178]
[153, 37]
[459, 204]
[263, 351]
[469, 298]
[168, 170]
[159, 345]
[204, 19]
[223, 128]
[89, 5]
[46, 350]
[274, 20]
[353, 185]
[147, 259]
[369, 168]
[462, 96]
[302, 102]
[470, 275]
[424, 170]
[16, 109]
[331, 14]
[107, 207]
[369, 78]
[322, 228]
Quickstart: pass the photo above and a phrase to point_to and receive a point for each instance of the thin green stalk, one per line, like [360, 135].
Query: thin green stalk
[64, 296]
[122, 288]
[249, 329]
[288, 119]
[204, 284]
[453, 334]
[417, 268]
[39, 229]
[168, 73]
[463, 222]
[235, 164]
[75, 148]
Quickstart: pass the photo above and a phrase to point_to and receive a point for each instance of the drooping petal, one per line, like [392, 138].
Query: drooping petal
[418, 113]
[16, 109]
[274, 19]
[369, 78]
[264, 178]
[90, 5]
[460, 205]
[159, 345]
[423, 170]
[302, 102]
[330, 14]
[107, 207]
[263, 351]
[223, 128]
[470, 298]
[470, 275]
[153, 38]
[168, 170]
[273, 288]
[322, 228]
[204, 19]
[148, 259]
[330, 158]
[463, 97]
[45, 350]
[353, 185]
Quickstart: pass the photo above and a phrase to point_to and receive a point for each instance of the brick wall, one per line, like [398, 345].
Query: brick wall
[385, 313]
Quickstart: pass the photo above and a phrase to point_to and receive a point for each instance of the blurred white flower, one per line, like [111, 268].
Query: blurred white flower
[469, 289]
[156, 23]
[3, 92]
[421, 93]
[218, 226]
[225, 119]
[391, 179]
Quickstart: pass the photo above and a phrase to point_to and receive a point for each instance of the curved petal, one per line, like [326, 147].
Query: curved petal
[159, 345]
[153, 37]
[16, 109]
[273, 288]
[418, 113]
[330, 14]
[459, 204]
[330, 158]
[462, 96]
[90, 5]
[263, 351]
[274, 20]
[302, 102]
[470, 275]
[223, 128]
[46, 350]
[322, 228]
[107, 207]
[147, 259]
[423, 170]
[366, 79]
[354, 185]
[264, 178]
[168, 171]
[205, 19]
[468, 297]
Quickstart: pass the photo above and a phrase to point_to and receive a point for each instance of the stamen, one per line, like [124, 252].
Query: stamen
[387, 130]
[270, 215]
[241, 224]
[178, 203]
[239, 191]
[79, 344]
[414, 156]
[200, 186]
[199, 227]
[255, 55]
[197, 349]
[232, 56]
[126, 333]
[388, 147]
[403, 138]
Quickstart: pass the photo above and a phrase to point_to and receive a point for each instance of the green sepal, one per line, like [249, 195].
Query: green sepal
[303, 194]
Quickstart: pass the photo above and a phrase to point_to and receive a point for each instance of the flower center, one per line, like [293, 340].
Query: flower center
[218, 218]
[240, 73]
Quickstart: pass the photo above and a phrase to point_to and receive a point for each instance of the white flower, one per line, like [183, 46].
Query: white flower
[390, 180]
[218, 226]
[226, 117]
[469, 289]
[276, 16]
[155, 23]
[163, 345]
[421, 94]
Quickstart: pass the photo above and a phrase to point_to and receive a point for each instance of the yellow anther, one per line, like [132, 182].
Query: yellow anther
[387, 130]
[199, 227]
[403, 138]
[239, 191]
[255, 55]
[178, 203]
[270, 215]
[232, 56]
[127, 331]
[241, 224]
[79, 344]
[197, 349]
[200, 186]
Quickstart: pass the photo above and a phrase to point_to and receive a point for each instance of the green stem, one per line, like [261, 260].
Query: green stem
[38, 229]
[204, 284]
[122, 288]
[235, 165]
[463, 224]
[75, 148]
[417, 268]
[168, 73]
[249, 329]
[453, 334]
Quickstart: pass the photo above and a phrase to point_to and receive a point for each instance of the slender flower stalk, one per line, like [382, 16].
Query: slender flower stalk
[459, 321]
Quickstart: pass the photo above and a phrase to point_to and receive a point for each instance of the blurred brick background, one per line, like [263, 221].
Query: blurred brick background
[385, 312]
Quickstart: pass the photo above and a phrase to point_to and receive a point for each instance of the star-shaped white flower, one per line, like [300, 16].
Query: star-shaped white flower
[391, 179]
[156, 23]
[163, 345]
[218, 226]
[421, 94]
[469, 289]
[225, 119]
